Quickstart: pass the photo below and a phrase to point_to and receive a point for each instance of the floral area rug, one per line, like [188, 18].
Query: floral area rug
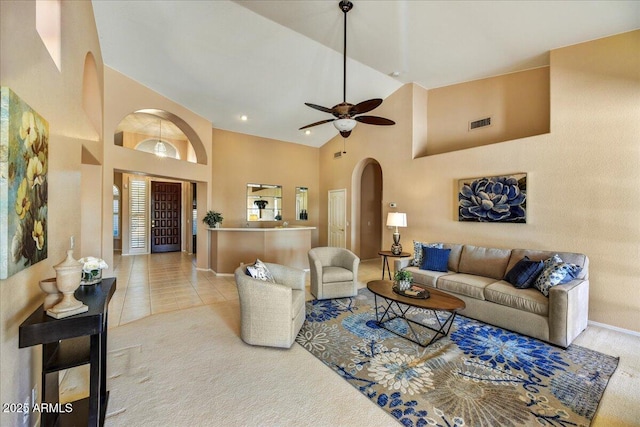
[479, 375]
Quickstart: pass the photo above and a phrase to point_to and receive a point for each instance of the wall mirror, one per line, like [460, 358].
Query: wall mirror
[301, 203]
[264, 202]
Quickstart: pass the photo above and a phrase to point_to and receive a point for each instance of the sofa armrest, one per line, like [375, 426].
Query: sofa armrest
[400, 263]
[568, 311]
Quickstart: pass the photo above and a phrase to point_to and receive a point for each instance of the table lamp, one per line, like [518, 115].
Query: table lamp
[396, 219]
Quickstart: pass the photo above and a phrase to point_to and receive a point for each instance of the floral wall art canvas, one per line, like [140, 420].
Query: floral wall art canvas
[493, 199]
[24, 147]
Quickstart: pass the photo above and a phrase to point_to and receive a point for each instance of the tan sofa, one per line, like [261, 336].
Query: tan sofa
[476, 276]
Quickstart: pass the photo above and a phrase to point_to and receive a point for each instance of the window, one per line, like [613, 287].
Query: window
[138, 214]
[48, 26]
[116, 212]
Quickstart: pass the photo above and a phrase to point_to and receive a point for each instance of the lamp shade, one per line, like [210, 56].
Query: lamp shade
[396, 219]
[344, 125]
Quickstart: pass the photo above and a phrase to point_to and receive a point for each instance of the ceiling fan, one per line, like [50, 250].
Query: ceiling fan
[347, 115]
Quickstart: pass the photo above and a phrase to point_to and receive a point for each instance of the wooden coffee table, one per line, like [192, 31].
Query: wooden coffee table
[398, 305]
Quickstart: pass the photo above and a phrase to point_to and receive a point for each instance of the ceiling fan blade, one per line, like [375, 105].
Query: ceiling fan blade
[374, 120]
[316, 123]
[365, 106]
[319, 107]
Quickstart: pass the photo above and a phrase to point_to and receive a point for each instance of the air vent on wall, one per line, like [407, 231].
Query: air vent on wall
[480, 123]
[337, 154]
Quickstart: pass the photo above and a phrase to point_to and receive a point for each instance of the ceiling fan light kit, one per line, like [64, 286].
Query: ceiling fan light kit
[346, 114]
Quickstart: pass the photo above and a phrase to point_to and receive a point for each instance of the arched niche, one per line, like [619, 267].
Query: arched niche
[360, 170]
[160, 125]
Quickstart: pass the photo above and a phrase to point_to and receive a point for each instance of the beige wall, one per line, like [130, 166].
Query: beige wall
[517, 103]
[582, 176]
[239, 159]
[27, 68]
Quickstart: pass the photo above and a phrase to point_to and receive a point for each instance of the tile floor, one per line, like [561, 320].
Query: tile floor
[157, 283]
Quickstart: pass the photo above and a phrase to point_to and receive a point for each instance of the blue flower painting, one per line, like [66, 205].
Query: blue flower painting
[24, 147]
[493, 199]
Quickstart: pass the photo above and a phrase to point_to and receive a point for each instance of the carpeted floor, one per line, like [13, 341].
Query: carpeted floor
[479, 375]
[190, 368]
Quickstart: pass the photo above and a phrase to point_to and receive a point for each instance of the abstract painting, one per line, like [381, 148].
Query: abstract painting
[24, 148]
[493, 199]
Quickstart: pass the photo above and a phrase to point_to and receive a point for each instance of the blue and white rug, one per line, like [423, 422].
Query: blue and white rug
[479, 375]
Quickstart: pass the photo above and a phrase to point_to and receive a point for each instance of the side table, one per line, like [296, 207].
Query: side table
[70, 342]
[385, 261]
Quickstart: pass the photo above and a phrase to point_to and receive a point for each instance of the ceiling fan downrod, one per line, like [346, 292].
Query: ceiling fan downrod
[345, 6]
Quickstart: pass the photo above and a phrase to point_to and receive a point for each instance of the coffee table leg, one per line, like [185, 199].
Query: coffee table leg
[386, 317]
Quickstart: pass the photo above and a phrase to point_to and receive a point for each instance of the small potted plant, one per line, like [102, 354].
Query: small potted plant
[213, 219]
[403, 279]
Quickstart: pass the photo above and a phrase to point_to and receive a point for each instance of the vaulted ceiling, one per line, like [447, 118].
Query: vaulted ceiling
[265, 59]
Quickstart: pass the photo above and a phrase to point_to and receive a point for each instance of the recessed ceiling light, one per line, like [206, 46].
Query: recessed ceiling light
[307, 132]
[243, 118]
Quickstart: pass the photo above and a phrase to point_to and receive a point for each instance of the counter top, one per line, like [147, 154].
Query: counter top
[289, 228]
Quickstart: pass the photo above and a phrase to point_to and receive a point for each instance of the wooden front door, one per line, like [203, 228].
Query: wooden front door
[166, 206]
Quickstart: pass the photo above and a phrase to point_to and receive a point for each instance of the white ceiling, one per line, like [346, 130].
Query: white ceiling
[265, 59]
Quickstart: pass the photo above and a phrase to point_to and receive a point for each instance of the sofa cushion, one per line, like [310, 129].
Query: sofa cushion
[454, 256]
[435, 259]
[487, 262]
[524, 273]
[464, 284]
[425, 277]
[555, 271]
[530, 300]
[418, 252]
[336, 274]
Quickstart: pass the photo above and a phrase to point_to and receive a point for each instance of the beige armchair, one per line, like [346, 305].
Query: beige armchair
[334, 272]
[271, 314]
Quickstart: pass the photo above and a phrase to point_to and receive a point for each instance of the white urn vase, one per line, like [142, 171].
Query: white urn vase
[68, 275]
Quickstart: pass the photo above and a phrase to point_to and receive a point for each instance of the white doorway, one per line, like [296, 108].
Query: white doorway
[338, 218]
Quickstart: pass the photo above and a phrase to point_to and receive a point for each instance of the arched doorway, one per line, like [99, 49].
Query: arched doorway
[367, 209]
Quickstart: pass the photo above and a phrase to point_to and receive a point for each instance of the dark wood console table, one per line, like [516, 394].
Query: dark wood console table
[69, 342]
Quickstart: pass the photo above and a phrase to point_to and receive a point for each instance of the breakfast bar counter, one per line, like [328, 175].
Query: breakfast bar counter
[281, 245]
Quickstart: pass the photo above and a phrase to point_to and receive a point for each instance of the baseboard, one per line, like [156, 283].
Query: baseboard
[614, 328]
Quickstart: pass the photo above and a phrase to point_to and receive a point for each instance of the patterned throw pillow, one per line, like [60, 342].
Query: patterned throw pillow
[260, 271]
[435, 259]
[524, 273]
[417, 252]
[554, 273]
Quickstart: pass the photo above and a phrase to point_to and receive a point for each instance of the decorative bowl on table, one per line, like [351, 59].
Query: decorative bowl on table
[414, 291]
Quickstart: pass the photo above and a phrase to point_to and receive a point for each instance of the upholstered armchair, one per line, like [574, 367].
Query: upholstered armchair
[271, 314]
[334, 272]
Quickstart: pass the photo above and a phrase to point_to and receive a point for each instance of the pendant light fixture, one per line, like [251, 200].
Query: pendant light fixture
[160, 149]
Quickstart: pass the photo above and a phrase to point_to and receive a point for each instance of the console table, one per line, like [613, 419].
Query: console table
[70, 342]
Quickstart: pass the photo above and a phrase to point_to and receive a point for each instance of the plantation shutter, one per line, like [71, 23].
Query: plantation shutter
[138, 215]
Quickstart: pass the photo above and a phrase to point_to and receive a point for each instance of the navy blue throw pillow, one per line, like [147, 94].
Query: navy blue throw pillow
[435, 259]
[524, 273]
